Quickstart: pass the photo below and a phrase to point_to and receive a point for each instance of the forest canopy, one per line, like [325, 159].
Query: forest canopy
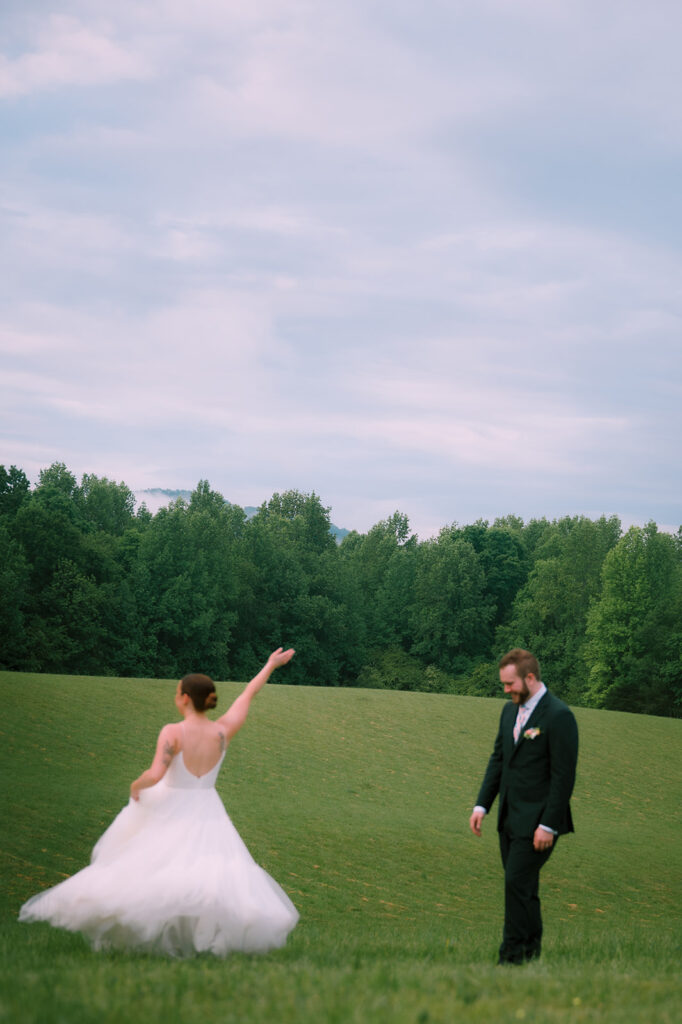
[90, 585]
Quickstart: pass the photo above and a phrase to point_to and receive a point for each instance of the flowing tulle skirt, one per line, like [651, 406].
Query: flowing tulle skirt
[171, 875]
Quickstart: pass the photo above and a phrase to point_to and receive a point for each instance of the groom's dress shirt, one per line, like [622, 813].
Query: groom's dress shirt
[526, 710]
[522, 715]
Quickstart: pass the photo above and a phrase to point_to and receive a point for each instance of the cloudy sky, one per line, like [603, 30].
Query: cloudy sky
[416, 256]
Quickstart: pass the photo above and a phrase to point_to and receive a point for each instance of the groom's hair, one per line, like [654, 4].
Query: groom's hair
[524, 661]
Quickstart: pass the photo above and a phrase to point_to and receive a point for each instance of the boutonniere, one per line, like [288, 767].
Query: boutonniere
[531, 734]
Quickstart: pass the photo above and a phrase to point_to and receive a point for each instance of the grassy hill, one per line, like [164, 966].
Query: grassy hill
[357, 802]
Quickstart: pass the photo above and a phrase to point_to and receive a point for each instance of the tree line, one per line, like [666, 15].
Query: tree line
[89, 585]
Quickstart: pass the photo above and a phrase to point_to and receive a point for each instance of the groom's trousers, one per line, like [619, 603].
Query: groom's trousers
[522, 935]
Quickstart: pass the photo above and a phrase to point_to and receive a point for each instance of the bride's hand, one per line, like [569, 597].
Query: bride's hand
[280, 657]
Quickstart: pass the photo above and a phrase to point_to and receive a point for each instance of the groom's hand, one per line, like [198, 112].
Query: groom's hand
[475, 822]
[542, 839]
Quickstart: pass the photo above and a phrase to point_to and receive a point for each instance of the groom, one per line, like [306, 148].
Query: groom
[532, 767]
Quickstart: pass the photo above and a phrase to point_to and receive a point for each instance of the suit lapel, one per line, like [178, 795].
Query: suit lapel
[508, 729]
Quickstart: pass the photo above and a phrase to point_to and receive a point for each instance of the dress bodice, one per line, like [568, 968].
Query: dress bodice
[179, 776]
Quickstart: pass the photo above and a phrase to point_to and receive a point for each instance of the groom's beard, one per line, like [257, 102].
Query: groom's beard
[520, 696]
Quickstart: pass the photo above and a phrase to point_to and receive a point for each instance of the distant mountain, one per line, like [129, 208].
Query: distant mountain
[338, 532]
[160, 497]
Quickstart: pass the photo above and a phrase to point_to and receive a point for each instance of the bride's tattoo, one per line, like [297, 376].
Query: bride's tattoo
[222, 742]
[168, 751]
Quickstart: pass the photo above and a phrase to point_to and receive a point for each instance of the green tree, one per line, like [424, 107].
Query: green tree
[106, 505]
[503, 559]
[382, 562]
[186, 585]
[634, 631]
[295, 591]
[308, 518]
[49, 527]
[14, 592]
[549, 613]
[14, 490]
[70, 626]
[451, 614]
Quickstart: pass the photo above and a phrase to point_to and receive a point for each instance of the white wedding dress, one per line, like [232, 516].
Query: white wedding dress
[171, 875]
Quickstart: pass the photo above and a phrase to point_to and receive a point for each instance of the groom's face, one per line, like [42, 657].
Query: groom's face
[514, 686]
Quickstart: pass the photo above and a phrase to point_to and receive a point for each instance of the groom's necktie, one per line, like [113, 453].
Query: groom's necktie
[522, 717]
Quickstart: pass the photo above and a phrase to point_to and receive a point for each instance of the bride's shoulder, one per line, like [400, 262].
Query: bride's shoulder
[172, 732]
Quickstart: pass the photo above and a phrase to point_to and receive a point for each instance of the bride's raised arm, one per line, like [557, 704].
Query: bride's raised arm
[235, 716]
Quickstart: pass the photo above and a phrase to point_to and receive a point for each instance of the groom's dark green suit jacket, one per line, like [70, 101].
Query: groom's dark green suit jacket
[534, 777]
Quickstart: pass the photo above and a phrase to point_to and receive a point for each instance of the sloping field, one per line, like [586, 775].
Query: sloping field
[357, 802]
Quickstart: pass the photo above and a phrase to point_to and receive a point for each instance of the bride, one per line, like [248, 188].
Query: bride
[171, 874]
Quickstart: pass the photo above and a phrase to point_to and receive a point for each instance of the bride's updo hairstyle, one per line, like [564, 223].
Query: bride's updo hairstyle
[200, 690]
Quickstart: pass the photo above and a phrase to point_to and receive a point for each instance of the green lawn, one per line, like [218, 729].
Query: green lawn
[357, 802]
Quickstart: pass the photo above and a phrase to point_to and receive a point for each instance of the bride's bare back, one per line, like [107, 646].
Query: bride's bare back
[202, 743]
